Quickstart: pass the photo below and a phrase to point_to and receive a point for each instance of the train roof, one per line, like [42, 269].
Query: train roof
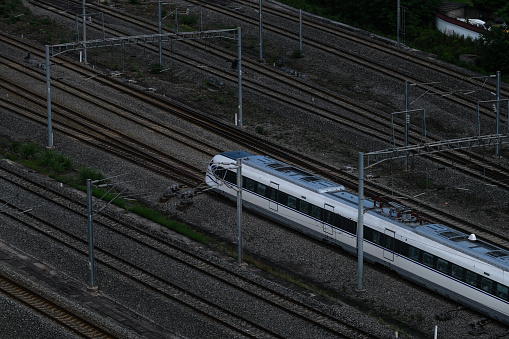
[286, 172]
[437, 232]
[460, 241]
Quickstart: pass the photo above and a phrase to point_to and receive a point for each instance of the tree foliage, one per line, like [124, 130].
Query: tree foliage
[488, 5]
[503, 12]
[495, 49]
[381, 15]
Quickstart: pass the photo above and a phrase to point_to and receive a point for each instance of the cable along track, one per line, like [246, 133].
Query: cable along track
[252, 142]
[56, 313]
[299, 310]
[469, 163]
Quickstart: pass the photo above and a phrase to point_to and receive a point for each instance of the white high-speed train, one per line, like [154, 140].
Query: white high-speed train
[454, 264]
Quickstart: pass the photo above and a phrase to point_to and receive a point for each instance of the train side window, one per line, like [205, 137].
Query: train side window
[368, 233]
[427, 259]
[442, 265]
[231, 177]
[471, 278]
[402, 248]
[220, 172]
[292, 201]
[338, 221]
[249, 184]
[376, 237]
[261, 189]
[389, 242]
[273, 194]
[304, 206]
[328, 217]
[458, 272]
[502, 291]
[487, 284]
[282, 198]
[316, 212]
[350, 226]
[414, 253]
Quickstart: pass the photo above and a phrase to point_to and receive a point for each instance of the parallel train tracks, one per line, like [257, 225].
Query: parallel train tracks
[369, 122]
[275, 150]
[293, 310]
[257, 145]
[66, 319]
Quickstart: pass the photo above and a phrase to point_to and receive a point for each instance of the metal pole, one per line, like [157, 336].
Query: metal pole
[239, 210]
[360, 223]
[102, 18]
[261, 35]
[240, 75]
[77, 30]
[201, 20]
[406, 124]
[48, 98]
[159, 31]
[497, 146]
[300, 30]
[399, 19]
[90, 233]
[84, 32]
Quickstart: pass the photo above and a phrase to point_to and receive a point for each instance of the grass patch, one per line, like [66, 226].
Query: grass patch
[60, 167]
[156, 69]
[231, 250]
[297, 54]
[260, 130]
[176, 226]
[49, 162]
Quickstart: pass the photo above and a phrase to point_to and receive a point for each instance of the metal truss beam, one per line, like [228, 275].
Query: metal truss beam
[54, 50]
[435, 147]
[142, 39]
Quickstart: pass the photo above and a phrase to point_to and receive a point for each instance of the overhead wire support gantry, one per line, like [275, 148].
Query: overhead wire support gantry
[402, 152]
[435, 147]
[54, 50]
[141, 39]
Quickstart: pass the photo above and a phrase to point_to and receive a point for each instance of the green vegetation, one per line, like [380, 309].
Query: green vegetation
[260, 130]
[156, 68]
[8, 8]
[219, 99]
[85, 173]
[380, 17]
[297, 54]
[188, 20]
[50, 162]
[60, 167]
[32, 155]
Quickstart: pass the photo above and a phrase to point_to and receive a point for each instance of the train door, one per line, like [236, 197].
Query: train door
[328, 220]
[389, 245]
[274, 192]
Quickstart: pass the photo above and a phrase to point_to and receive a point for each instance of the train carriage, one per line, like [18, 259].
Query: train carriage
[449, 262]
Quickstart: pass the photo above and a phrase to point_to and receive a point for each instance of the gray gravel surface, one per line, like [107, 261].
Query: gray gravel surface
[15, 318]
[389, 303]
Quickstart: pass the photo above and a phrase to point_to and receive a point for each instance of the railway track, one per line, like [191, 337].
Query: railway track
[359, 37]
[353, 181]
[100, 134]
[295, 311]
[38, 303]
[375, 62]
[376, 125]
[258, 145]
